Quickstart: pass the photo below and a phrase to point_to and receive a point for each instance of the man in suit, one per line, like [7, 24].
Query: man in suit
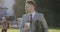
[36, 20]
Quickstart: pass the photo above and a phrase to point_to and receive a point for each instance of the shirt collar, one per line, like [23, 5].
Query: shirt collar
[32, 13]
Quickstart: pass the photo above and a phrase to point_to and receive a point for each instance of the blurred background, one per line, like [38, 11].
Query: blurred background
[50, 8]
[14, 9]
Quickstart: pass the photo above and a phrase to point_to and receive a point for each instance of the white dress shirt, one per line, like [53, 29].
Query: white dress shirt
[33, 14]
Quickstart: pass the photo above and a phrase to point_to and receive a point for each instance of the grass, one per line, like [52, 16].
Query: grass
[54, 30]
[17, 30]
[11, 30]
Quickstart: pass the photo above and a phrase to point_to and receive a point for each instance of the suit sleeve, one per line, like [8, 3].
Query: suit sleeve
[22, 24]
[44, 24]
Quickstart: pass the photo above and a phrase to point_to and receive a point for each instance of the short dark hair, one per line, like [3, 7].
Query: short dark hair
[31, 2]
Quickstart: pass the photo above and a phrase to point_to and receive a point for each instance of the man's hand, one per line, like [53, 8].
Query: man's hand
[26, 28]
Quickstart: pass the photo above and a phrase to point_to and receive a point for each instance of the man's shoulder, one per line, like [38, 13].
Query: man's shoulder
[25, 15]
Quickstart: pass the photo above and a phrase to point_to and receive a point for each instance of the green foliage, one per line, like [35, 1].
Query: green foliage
[19, 8]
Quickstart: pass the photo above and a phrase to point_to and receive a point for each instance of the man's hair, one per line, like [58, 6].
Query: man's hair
[31, 2]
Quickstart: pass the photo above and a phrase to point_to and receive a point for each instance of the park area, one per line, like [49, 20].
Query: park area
[17, 30]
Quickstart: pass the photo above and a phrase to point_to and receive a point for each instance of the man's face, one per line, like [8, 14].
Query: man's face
[29, 7]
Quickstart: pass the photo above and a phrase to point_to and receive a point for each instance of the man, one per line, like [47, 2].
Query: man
[5, 24]
[36, 20]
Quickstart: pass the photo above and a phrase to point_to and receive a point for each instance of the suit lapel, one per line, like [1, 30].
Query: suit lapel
[35, 16]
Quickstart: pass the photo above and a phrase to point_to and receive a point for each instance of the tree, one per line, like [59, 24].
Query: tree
[19, 8]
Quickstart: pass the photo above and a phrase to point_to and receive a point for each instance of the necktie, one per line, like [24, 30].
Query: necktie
[31, 18]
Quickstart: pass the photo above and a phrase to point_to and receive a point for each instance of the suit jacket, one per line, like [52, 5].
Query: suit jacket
[38, 23]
